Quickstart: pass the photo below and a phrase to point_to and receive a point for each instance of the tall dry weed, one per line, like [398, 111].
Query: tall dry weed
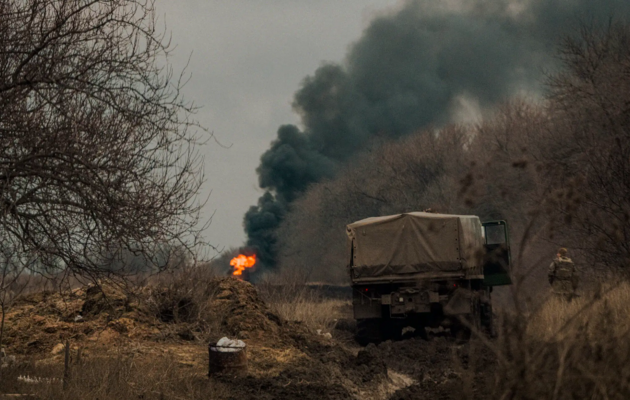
[120, 377]
[556, 318]
[302, 304]
[567, 350]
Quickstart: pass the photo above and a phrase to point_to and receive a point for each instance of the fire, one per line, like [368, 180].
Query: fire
[241, 262]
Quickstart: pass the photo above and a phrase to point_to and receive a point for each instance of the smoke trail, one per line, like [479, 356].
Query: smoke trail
[406, 72]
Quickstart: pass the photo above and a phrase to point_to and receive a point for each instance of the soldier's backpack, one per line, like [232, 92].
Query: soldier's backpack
[564, 268]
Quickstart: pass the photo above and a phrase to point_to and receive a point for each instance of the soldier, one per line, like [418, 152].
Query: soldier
[562, 276]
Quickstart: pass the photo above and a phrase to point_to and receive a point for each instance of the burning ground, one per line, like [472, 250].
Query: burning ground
[286, 359]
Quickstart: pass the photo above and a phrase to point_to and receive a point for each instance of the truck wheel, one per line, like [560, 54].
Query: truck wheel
[369, 331]
[391, 329]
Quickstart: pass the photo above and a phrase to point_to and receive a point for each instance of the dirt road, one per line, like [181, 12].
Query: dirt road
[440, 368]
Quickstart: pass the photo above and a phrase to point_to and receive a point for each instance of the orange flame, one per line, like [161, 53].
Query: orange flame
[242, 262]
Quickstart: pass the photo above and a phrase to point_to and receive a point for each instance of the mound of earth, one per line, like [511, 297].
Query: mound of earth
[101, 314]
[242, 312]
[38, 321]
[106, 312]
[104, 298]
[285, 359]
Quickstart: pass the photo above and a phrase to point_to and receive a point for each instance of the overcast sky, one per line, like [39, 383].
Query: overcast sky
[248, 58]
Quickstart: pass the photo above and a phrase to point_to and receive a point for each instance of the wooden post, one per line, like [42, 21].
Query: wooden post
[66, 366]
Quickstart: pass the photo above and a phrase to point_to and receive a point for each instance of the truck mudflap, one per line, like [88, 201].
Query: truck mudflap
[460, 302]
[466, 301]
[369, 309]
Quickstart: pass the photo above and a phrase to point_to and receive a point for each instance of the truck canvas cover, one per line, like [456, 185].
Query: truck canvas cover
[413, 243]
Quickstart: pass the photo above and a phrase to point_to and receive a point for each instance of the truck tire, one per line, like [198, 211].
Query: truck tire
[391, 329]
[369, 331]
[422, 332]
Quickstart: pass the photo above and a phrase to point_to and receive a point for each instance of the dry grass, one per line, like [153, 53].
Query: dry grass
[557, 318]
[298, 303]
[316, 315]
[576, 350]
[117, 378]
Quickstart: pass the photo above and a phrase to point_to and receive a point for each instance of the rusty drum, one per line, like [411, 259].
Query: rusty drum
[226, 359]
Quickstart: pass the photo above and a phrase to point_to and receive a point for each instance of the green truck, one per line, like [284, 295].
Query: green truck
[422, 270]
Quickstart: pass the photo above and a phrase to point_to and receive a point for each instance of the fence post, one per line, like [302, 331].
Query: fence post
[66, 366]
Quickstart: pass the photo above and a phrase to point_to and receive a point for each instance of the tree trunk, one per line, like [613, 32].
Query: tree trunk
[3, 309]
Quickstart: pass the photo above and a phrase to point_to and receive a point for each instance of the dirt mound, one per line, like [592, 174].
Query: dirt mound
[104, 298]
[107, 312]
[95, 314]
[41, 320]
[242, 311]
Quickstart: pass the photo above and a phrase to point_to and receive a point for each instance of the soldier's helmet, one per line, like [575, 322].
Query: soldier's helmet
[562, 252]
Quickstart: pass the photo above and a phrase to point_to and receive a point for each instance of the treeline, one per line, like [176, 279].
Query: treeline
[558, 169]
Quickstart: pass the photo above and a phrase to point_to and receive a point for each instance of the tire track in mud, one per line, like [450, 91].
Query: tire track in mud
[440, 368]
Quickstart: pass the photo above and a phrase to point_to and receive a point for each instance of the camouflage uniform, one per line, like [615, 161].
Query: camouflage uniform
[563, 278]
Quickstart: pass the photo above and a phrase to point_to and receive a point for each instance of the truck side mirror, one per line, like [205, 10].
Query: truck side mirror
[495, 233]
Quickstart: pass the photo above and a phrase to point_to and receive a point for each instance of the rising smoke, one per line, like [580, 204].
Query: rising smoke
[409, 70]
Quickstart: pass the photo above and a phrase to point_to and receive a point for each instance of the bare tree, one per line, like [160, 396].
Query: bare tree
[97, 146]
[588, 156]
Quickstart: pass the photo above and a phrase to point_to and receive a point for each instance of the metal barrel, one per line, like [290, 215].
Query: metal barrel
[226, 361]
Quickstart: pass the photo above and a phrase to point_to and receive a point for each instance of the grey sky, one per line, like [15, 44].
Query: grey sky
[248, 59]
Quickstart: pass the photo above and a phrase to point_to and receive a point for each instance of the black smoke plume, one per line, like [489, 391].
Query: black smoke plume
[411, 69]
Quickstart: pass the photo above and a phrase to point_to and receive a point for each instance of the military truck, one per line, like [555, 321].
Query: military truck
[422, 270]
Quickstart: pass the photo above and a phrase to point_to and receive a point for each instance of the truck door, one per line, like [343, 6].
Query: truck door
[496, 268]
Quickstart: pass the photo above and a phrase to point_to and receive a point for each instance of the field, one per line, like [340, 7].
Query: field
[151, 343]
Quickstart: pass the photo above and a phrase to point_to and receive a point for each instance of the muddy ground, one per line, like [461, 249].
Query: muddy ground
[413, 368]
[286, 360]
